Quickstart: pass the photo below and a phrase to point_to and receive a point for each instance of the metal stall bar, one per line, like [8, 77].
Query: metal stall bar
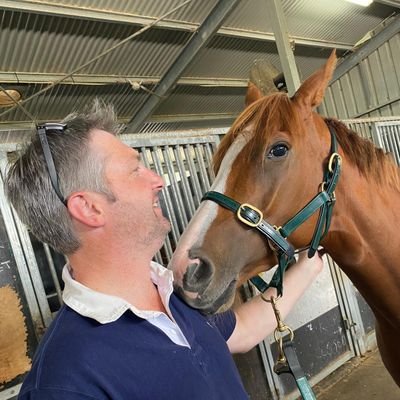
[174, 186]
[362, 128]
[365, 126]
[194, 178]
[386, 135]
[188, 196]
[202, 168]
[209, 152]
[394, 142]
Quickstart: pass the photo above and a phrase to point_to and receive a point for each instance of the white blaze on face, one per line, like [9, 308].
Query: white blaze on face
[193, 235]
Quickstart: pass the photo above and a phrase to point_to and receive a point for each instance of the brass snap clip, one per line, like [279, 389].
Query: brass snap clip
[281, 329]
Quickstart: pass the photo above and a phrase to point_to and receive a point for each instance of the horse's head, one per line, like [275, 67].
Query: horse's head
[273, 158]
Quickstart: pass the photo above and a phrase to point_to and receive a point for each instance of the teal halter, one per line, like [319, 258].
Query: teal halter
[251, 216]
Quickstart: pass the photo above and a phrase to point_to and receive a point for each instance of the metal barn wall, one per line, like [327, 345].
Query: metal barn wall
[370, 89]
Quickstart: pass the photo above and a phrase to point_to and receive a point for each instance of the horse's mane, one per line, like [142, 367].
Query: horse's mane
[371, 161]
[276, 112]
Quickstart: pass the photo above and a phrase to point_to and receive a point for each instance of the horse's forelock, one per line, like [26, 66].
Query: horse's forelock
[265, 116]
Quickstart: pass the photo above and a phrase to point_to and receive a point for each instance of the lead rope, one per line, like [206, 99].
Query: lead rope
[287, 361]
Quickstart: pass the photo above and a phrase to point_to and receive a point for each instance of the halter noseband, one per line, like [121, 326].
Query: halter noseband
[251, 216]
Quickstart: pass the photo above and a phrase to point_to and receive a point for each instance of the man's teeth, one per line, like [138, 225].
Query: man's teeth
[156, 204]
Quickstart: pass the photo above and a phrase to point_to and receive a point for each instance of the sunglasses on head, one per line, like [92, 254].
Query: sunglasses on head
[42, 131]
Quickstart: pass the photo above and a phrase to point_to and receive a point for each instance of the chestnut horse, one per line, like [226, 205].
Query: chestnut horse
[274, 157]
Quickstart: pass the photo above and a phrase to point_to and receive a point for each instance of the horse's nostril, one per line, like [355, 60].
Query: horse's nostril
[197, 276]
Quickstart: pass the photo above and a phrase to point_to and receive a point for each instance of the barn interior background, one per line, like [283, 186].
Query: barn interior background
[177, 73]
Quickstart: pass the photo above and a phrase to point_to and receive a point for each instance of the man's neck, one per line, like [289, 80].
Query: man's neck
[123, 275]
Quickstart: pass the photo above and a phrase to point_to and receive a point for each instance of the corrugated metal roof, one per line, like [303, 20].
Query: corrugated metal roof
[40, 41]
[47, 44]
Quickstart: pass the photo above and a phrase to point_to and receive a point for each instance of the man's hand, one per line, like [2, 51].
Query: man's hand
[255, 319]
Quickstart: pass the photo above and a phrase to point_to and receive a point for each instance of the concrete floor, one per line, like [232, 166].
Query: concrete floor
[359, 379]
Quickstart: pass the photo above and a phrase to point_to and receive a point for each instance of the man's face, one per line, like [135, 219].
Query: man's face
[136, 211]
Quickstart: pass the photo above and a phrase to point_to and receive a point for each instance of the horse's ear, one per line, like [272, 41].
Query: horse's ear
[253, 94]
[311, 92]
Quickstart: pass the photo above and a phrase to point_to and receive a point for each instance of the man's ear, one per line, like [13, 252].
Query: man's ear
[86, 208]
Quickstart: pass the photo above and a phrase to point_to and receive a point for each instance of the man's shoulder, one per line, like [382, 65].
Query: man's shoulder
[63, 336]
[66, 359]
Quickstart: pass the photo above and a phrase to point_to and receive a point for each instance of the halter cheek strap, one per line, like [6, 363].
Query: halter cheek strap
[324, 201]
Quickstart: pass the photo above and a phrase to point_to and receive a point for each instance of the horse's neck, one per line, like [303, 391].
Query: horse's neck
[364, 241]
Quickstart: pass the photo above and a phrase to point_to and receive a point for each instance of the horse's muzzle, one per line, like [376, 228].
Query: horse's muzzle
[198, 276]
[198, 289]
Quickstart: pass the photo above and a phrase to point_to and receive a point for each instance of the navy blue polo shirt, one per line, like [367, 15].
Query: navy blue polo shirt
[130, 358]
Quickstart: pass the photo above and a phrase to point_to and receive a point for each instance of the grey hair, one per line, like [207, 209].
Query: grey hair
[28, 185]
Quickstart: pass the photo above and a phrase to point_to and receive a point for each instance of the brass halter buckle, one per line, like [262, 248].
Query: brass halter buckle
[249, 215]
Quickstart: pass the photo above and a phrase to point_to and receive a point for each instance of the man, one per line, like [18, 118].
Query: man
[122, 334]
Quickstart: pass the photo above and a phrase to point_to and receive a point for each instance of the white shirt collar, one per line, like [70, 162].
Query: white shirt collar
[105, 308]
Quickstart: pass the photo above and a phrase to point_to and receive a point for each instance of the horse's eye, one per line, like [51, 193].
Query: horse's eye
[278, 151]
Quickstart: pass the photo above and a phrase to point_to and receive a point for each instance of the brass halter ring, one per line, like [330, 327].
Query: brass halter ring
[332, 159]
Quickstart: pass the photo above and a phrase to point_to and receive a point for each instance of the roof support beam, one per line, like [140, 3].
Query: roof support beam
[110, 16]
[285, 51]
[81, 79]
[364, 51]
[199, 39]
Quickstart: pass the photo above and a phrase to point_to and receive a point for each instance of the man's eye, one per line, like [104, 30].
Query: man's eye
[278, 151]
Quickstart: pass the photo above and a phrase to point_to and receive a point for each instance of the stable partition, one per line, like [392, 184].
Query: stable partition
[332, 322]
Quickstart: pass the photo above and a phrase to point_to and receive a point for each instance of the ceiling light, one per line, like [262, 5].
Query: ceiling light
[364, 3]
[9, 97]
